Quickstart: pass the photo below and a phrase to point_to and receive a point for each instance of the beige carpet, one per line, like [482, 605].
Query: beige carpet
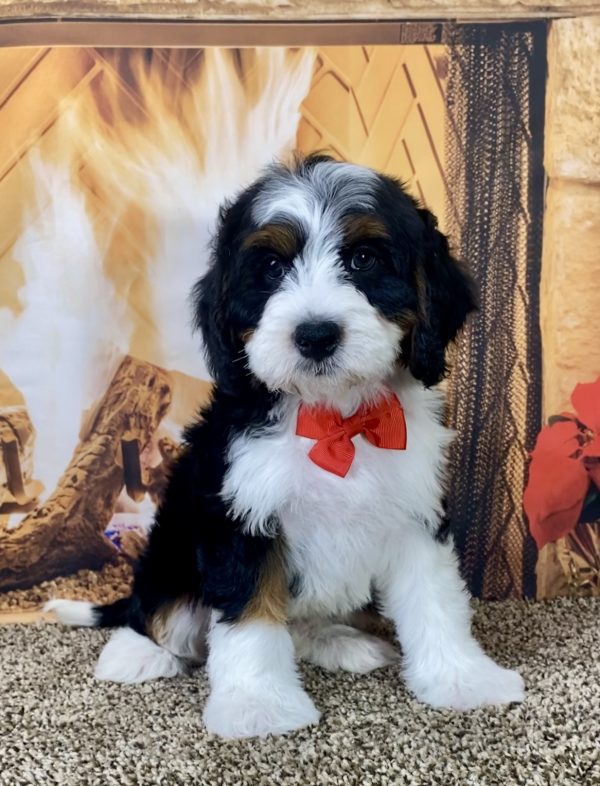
[59, 726]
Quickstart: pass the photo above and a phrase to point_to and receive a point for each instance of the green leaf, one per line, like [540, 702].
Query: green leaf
[591, 508]
[557, 419]
[593, 495]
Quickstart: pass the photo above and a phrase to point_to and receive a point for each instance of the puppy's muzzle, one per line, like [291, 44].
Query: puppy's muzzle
[317, 340]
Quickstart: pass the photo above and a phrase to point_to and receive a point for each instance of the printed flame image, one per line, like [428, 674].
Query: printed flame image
[115, 233]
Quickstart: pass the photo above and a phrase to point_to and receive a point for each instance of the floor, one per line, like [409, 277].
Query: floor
[59, 726]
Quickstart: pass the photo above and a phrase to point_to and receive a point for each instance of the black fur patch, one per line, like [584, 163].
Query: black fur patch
[423, 280]
[194, 548]
[112, 615]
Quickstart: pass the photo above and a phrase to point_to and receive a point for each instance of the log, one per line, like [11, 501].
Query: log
[271, 11]
[66, 532]
[17, 437]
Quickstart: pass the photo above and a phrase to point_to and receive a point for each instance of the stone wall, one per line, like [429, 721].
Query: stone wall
[570, 295]
[570, 287]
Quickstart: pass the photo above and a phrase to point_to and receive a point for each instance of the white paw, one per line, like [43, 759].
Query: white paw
[477, 683]
[130, 657]
[343, 647]
[241, 714]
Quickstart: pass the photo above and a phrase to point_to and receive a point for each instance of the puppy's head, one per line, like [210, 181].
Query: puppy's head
[325, 276]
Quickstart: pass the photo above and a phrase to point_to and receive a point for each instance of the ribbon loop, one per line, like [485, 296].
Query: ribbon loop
[382, 424]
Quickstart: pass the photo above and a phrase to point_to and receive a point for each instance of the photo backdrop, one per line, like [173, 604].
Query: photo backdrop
[113, 163]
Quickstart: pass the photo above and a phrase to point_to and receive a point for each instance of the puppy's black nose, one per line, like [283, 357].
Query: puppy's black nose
[317, 340]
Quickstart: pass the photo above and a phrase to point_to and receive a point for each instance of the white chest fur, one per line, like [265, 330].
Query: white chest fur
[340, 532]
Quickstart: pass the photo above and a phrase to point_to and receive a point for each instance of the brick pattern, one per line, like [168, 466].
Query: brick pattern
[383, 107]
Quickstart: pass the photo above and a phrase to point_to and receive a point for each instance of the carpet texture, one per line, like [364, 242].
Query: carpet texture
[59, 726]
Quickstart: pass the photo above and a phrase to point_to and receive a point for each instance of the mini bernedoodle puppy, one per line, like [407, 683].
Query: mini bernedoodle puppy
[312, 483]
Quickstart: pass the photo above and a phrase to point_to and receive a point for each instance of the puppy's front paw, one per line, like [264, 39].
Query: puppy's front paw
[244, 714]
[475, 684]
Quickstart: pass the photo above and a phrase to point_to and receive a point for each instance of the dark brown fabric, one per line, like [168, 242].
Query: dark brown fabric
[495, 177]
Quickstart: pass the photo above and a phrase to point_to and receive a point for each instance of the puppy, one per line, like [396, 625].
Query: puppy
[312, 483]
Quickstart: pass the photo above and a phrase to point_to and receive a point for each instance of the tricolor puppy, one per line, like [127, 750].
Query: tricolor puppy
[312, 483]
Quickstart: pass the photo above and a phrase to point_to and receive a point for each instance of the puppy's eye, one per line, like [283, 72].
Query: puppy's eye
[363, 259]
[275, 268]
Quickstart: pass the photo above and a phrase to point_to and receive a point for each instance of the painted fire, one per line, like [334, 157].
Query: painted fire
[115, 231]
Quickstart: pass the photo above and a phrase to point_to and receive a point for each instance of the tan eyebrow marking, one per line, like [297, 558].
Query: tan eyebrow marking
[278, 237]
[364, 227]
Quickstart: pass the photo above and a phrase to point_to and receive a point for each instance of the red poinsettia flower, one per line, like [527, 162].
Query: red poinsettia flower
[565, 465]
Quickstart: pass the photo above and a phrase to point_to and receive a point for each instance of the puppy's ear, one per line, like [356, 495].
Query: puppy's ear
[210, 319]
[446, 295]
[210, 302]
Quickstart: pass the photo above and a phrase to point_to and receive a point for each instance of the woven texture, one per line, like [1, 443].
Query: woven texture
[59, 726]
[495, 171]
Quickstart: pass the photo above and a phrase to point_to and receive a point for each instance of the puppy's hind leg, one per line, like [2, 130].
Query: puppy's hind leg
[128, 656]
[176, 638]
[132, 657]
[181, 628]
[334, 646]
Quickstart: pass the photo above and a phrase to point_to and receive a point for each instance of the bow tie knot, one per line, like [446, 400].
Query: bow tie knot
[382, 424]
[354, 424]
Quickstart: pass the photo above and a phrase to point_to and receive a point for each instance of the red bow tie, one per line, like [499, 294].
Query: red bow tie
[382, 424]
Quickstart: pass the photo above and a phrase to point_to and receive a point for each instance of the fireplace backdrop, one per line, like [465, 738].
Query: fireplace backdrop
[112, 166]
